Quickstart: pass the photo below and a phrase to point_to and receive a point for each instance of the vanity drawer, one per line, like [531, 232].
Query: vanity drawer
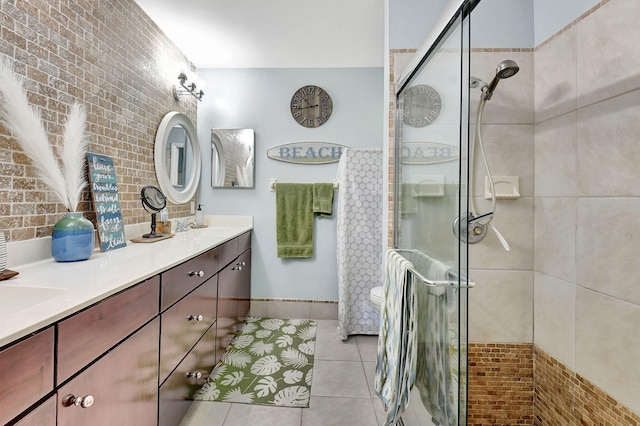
[228, 252]
[185, 322]
[180, 280]
[123, 385]
[89, 333]
[176, 393]
[43, 415]
[244, 242]
[26, 373]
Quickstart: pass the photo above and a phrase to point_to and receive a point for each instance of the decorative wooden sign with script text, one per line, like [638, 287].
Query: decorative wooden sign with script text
[307, 152]
[104, 193]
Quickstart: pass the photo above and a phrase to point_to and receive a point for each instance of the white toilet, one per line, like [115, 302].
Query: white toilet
[376, 297]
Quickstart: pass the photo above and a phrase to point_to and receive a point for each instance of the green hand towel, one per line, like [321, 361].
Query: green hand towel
[323, 199]
[294, 220]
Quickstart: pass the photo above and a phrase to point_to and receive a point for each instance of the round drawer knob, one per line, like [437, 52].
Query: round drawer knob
[195, 317]
[196, 375]
[79, 401]
[196, 274]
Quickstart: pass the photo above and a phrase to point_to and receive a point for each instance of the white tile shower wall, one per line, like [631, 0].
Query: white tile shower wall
[500, 308]
[509, 149]
[607, 246]
[555, 156]
[608, 55]
[501, 305]
[554, 317]
[607, 160]
[555, 237]
[607, 346]
[587, 303]
[555, 78]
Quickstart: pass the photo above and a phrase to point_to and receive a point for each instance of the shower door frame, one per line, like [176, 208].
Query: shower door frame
[457, 13]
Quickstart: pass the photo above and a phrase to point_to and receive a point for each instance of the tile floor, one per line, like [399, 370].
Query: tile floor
[341, 392]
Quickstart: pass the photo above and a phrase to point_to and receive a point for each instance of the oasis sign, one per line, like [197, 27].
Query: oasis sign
[428, 153]
[307, 152]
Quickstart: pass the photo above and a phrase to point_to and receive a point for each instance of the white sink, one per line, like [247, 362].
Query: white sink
[14, 299]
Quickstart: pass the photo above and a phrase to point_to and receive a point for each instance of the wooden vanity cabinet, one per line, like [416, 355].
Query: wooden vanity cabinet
[43, 415]
[122, 385]
[134, 358]
[244, 284]
[244, 288]
[184, 278]
[88, 334]
[234, 292]
[177, 391]
[184, 324]
[26, 373]
[220, 295]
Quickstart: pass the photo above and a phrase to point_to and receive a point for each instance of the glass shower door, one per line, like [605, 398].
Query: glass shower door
[431, 194]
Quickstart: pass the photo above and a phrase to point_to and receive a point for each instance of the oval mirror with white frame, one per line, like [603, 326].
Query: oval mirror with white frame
[177, 158]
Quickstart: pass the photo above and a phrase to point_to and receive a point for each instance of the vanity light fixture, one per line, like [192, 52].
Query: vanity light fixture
[186, 88]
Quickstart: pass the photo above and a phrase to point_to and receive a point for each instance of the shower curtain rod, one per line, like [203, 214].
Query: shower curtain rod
[435, 283]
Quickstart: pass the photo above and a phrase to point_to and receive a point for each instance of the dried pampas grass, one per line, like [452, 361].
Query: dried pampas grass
[25, 124]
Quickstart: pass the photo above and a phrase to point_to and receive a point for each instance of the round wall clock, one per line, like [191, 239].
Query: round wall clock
[422, 105]
[311, 106]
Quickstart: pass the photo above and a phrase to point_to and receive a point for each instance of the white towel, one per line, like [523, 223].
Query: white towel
[396, 360]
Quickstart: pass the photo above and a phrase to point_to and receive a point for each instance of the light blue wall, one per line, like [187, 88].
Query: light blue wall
[259, 99]
[502, 24]
[411, 20]
[553, 15]
[527, 22]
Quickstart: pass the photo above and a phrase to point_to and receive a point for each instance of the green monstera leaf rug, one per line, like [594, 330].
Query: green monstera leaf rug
[269, 362]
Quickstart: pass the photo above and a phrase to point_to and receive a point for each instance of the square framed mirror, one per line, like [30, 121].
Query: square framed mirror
[232, 158]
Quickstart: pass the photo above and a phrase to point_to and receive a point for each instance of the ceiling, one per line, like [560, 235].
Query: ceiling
[275, 33]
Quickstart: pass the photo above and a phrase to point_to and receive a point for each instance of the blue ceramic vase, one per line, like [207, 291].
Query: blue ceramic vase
[72, 239]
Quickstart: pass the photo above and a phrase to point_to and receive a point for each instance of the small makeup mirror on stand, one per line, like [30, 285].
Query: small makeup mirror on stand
[153, 200]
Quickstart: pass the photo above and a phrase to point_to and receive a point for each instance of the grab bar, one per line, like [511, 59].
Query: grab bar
[435, 283]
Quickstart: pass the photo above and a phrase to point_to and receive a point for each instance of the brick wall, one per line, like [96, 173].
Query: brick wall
[111, 58]
[517, 384]
[563, 397]
[500, 384]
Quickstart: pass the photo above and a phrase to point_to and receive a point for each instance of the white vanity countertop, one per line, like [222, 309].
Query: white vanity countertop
[46, 291]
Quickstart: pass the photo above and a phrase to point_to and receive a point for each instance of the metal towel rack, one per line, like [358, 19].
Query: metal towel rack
[435, 283]
[273, 182]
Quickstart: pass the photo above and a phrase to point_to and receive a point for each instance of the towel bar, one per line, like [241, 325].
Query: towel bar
[436, 283]
[273, 182]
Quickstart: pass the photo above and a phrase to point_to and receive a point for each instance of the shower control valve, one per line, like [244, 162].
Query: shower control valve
[468, 230]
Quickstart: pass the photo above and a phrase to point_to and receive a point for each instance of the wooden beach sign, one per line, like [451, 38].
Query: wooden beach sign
[106, 205]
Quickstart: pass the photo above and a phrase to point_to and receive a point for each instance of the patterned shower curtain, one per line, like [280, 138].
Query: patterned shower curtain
[359, 228]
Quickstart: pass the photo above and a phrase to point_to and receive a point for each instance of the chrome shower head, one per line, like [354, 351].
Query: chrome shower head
[505, 69]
